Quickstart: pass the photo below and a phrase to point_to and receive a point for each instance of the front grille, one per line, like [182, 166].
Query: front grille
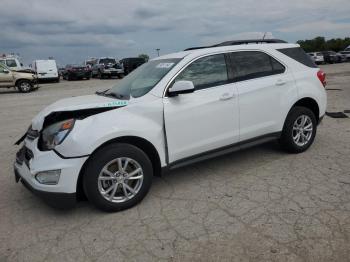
[32, 134]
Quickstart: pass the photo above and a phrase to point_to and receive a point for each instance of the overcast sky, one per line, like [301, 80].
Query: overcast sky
[72, 31]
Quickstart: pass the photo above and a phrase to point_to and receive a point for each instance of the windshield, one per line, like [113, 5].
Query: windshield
[144, 78]
[107, 61]
[11, 63]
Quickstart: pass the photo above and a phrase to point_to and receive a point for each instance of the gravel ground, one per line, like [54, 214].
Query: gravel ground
[259, 204]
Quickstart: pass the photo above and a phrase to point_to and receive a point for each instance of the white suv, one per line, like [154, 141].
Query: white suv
[172, 111]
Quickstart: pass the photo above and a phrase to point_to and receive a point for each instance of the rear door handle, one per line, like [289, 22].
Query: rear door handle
[280, 82]
[226, 96]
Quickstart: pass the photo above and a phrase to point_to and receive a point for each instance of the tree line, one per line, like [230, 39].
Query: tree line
[321, 44]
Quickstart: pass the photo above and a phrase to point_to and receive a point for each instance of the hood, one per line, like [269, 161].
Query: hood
[78, 104]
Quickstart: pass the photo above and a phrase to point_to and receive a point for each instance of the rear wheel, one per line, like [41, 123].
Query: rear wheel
[299, 130]
[24, 86]
[117, 177]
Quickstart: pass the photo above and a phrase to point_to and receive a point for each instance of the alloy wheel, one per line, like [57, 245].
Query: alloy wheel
[302, 130]
[120, 180]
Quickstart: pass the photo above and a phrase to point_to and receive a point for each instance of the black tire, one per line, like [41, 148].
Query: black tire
[57, 80]
[104, 156]
[287, 142]
[24, 86]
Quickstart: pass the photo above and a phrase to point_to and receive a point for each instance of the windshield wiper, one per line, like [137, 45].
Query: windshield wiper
[116, 95]
[111, 94]
[101, 92]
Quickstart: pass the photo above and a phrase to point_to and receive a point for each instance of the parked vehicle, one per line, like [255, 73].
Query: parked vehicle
[341, 58]
[76, 72]
[23, 81]
[131, 63]
[46, 70]
[317, 57]
[12, 62]
[172, 111]
[107, 67]
[346, 54]
[330, 57]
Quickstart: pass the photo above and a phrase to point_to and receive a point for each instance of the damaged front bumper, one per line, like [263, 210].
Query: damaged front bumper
[30, 162]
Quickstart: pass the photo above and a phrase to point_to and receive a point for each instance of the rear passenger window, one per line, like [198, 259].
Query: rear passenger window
[206, 72]
[299, 55]
[252, 64]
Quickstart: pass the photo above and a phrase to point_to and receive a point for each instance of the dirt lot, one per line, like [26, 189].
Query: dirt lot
[260, 204]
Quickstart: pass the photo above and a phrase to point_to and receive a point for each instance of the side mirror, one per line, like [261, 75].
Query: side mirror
[6, 71]
[181, 87]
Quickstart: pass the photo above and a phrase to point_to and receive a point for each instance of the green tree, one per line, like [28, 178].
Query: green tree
[144, 56]
[321, 44]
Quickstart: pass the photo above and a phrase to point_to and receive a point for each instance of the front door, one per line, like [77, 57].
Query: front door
[206, 119]
[6, 77]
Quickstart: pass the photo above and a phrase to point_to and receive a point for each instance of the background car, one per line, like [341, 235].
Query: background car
[11, 62]
[346, 54]
[330, 57]
[23, 81]
[131, 63]
[46, 70]
[107, 67]
[317, 57]
[341, 58]
[74, 72]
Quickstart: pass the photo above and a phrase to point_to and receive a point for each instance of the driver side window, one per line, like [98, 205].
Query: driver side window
[206, 72]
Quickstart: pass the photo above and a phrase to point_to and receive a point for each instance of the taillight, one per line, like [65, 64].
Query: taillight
[322, 77]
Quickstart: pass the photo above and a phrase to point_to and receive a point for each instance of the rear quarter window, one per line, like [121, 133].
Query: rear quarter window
[299, 55]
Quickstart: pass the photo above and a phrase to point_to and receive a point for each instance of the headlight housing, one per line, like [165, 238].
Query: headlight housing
[54, 134]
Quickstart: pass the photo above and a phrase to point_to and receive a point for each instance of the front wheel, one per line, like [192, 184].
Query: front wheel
[299, 130]
[24, 86]
[117, 177]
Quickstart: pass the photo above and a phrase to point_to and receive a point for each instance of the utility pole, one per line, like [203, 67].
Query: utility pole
[158, 51]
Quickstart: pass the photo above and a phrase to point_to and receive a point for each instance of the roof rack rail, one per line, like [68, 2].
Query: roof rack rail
[240, 42]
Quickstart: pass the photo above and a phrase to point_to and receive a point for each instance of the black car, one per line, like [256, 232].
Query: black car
[330, 57]
[72, 72]
[131, 63]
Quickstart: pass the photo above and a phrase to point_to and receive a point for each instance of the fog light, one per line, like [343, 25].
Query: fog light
[49, 177]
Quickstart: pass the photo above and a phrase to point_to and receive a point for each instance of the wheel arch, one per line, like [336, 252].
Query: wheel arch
[309, 103]
[139, 142]
[22, 79]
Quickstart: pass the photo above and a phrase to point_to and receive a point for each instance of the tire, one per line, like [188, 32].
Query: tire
[290, 140]
[57, 80]
[24, 86]
[106, 158]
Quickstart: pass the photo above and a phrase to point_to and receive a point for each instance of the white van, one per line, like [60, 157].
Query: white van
[11, 62]
[46, 70]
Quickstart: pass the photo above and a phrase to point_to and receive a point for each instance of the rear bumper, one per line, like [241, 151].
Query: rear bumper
[57, 200]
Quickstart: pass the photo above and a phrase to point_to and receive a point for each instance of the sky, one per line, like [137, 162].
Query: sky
[72, 31]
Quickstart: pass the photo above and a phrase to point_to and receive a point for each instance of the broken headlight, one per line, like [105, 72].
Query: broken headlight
[54, 134]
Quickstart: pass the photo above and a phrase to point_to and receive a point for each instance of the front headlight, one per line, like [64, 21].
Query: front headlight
[54, 135]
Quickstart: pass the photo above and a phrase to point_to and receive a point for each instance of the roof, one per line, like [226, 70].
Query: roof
[208, 50]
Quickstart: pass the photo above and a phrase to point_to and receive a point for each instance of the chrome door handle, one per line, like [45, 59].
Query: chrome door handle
[226, 96]
[280, 82]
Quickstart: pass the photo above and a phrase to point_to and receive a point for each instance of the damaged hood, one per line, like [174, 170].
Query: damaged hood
[76, 104]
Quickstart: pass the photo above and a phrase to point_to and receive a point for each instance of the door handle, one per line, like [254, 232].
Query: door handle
[280, 82]
[226, 96]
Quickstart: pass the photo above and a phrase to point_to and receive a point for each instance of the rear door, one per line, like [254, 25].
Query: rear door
[206, 119]
[264, 85]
